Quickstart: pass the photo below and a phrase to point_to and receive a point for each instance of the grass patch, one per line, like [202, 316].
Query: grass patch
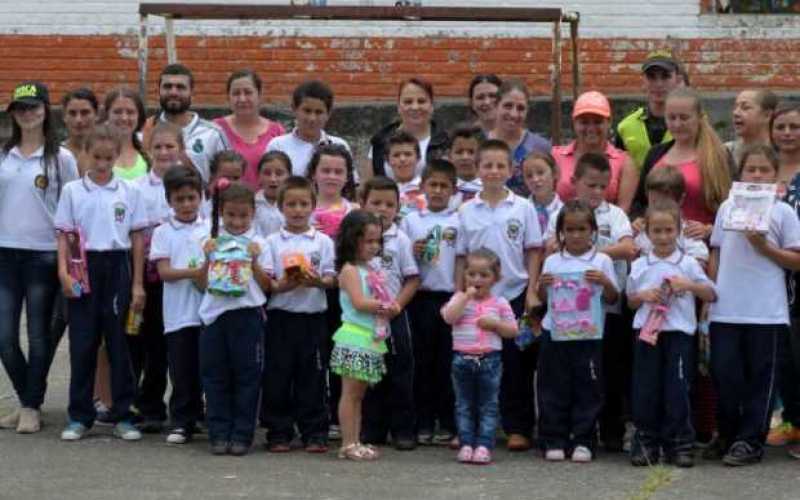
[658, 478]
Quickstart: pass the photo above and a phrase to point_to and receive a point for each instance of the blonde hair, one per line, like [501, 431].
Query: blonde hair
[712, 156]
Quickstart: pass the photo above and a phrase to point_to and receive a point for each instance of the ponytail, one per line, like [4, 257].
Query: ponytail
[219, 186]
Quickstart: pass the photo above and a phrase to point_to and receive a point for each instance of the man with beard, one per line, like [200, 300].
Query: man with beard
[201, 138]
[645, 126]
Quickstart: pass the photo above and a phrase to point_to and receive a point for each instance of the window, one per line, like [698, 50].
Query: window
[758, 6]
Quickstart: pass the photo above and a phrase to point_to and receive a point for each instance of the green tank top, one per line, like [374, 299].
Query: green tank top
[131, 173]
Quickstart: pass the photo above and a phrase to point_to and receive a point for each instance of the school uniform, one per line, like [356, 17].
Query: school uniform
[569, 383]
[181, 244]
[268, 218]
[231, 357]
[547, 212]
[300, 151]
[389, 405]
[412, 198]
[663, 373]
[465, 191]
[509, 229]
[294, 374]
[693, 247]
[612, 226]
[203, 140]
[28, 265]
[432, 336]
[746, 328]
[106, 216]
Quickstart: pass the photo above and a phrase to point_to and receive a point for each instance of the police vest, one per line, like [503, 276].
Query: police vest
[633, 131]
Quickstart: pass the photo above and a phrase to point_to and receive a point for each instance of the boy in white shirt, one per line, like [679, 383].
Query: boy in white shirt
[433, 231]
[177, 252]
[463, 152]
[389, 405]
[301, 264]
[506, 223]
[402, 155]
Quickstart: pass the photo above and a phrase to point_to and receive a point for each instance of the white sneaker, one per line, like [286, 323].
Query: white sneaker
[73, 431]
[582, 455]
[10, 421]
[30, 421]
[554, 455]
[127, 432]
[177, 436]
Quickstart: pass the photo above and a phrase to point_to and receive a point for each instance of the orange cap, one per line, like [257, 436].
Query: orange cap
[592, 102]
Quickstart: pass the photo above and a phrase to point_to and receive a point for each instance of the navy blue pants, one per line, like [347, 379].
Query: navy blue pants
[231, 360]
[517, 408]
[662, 379]
[389, 405]
[101, 314]
[433, 354]
[789, 373]
[149, 357]
[294, 377]
[186, 400]
[744, 362]
[570, 391]
[617, 369]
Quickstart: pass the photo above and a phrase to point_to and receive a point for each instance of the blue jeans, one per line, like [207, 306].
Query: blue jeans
[30, 276]
[476, 381]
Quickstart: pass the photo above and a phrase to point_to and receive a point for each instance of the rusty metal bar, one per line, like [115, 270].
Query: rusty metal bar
[555, 77]
[143, 58]
[574, 18]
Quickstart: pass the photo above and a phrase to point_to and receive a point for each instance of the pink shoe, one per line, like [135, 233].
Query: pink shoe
[482, 456]
[465, 454]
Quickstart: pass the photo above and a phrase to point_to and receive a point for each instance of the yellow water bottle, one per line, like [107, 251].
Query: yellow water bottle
[134, 322]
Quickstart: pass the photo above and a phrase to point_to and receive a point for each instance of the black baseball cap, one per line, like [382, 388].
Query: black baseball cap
[660, 59]
[29, 93]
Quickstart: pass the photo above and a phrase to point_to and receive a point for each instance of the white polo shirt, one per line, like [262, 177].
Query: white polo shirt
[411, 196]
[318, 249]
[203, 139]
[105, 214]
[439, 275]
[213, 306]
[563, 262]
[154, 198]
[26, 209]
[649, 271]
[750, 287]
[268, 219]
[509, 229]
[397, 260]
[181, 244]
[465, 191]
[300, 151]
[692, 247]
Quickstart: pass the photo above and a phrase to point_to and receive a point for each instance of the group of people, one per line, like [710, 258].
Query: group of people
[458, 280]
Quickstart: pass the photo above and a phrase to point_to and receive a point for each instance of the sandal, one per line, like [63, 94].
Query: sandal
[371, 451]
[357, 452]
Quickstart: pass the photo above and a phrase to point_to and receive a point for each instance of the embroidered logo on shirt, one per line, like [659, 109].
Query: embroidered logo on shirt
[449, 236]
[197, 147]
[119, 212]
[513, 228]
[315, 259]
[41, 181]
[387, 259]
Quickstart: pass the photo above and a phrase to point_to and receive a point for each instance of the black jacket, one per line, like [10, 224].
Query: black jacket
[437, 147]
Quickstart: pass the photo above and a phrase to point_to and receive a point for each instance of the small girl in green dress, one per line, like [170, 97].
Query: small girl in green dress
[358, 352]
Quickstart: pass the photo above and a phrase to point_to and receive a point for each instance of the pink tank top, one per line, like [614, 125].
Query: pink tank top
[251, 152]
[694, 205]
[329, 219]
[566, 159]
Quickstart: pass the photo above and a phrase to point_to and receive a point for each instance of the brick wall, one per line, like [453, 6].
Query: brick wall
[68, 43]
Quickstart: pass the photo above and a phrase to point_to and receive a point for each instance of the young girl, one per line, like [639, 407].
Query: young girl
[480, 320]
[107, 216]
[665, 277]
[747, 326]
[570, 378]
[273, 169]
[125, 112]
[751, 118]
[231, 347]
[540, 173]
[148, 348]
[226, 164]
[358, 353]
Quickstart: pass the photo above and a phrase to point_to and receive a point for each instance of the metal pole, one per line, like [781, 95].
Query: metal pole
[143, 58]
[574, 19]
[556, 82]
[169, 33]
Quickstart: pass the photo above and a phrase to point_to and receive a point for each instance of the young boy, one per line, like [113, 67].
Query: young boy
[301, 263]
[507, 224]
[614, 238]
[312, 102]
[402, 155]
[433, 230]
[464, 142]
[668, 183]
[389, 405]
[176, 249]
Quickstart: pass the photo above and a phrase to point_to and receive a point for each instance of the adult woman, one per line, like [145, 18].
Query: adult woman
[697, 152]
[125, 112]
[247, 131]
[511, 128]
[80, 116]
[483, 100]
[33, 169]
[415, 107]
[590, 120]
[752, 116]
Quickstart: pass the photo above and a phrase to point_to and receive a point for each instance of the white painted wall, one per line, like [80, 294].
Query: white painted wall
[599, 19]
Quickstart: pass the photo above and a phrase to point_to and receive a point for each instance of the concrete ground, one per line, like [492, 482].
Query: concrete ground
[100, 467]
